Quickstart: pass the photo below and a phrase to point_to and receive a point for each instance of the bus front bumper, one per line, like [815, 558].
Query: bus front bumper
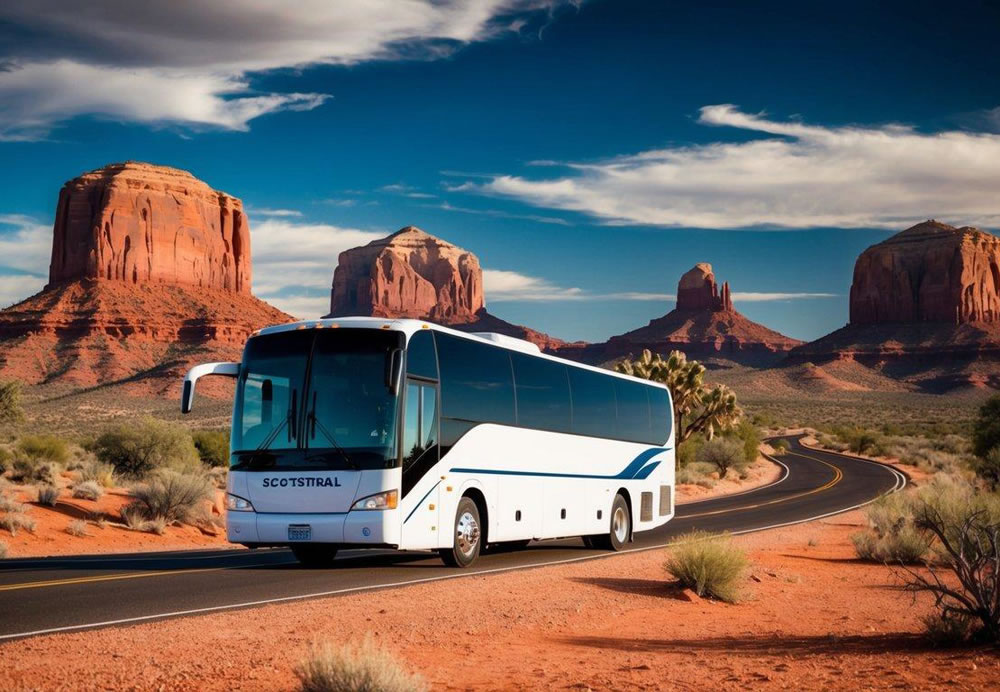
[359, 527]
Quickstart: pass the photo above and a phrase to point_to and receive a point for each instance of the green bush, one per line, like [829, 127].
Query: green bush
[748, 434]
[780, 447]
[687, 451]
[986, 428]
[88, 490]
[212, 446]
[360, 667]
[138, 449]
[947, 629]
[6, 457]
[710, 564]
[988, 467]
[11, 409]
[724, 454]
[44, 448]
[48, 495]
[171, 496]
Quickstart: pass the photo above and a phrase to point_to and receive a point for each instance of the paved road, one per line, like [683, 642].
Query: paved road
[60, 594]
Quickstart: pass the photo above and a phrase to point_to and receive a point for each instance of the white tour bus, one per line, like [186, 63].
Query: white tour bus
[367, 432]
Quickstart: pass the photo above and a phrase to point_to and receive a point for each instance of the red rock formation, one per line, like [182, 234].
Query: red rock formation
[414, 274]
[408, 274]
[931, 272]
[697, 290]
[139, 223]
[150, 273]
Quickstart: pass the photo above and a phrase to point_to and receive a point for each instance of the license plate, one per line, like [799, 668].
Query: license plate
[300, 533]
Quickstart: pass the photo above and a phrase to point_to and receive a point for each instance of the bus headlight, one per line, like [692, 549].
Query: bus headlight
[235, 503]
[383, 500]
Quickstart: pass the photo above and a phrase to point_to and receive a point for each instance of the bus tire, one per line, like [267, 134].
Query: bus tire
[314, 554]
[467, 535]
[619, 529]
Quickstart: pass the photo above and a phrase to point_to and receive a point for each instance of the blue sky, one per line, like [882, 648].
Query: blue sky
[589, 154]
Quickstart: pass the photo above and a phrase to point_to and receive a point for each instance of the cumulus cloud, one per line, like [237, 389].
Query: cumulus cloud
[293, 262]
[190, 62]
[25, 250]
[790, 175]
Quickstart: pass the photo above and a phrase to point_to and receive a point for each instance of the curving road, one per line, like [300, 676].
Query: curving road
[39, 596]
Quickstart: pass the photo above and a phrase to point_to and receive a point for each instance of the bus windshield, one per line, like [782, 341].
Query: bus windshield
[316, 399]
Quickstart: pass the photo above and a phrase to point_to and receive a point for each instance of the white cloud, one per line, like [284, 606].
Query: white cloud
[257, 211]
[497, 213]
[25, 251]
[293, 262]
[189, 62]
[791, 176]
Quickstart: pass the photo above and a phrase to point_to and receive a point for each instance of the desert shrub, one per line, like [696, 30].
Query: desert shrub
[687, 452]
[947, 629]
[780, 447]
[966, 526]
[724, 454]
[354, 668]
[88, 490]
[696, 474]
[48, 495]
[98, 472]
[15, 521]
[44, 448]
[3, 550]
[986, 428]
[77, 528]
[710, 564]
[747, 433]
[26, 469]
[11, 409]
[171, 496]
[893, 536]
[134, 450]
[6, 457]
[988, 467]
[212, 446]
[134, 518]
[218, 476]
[10, 505]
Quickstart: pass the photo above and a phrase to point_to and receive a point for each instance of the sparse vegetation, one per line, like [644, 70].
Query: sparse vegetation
[780, 447]
[710, 564]
[360, 667]
[26, 469]
[44, 448]
[15, 521]
[986, 427]
[6, 456]
[747, 433]
[893, 536]
[724, 454]
[88, 490]
[9, 505]
[135, 450]
[212, 446]
[218, 476]
[696, 473]
[77, 528]
[133, 518]
[947, 629]
[988, 468]
[11, 409]
[48, 495]
[171, 496]
[98, 472]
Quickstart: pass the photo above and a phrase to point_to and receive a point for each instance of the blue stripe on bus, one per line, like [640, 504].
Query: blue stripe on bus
[637, 469]
[417, 506]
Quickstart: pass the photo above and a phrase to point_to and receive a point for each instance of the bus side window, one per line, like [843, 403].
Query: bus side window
[421, 359]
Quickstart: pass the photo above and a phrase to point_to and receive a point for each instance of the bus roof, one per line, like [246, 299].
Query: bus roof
[411, 326]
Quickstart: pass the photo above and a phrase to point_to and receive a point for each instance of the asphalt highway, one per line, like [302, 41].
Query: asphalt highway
[39, 596]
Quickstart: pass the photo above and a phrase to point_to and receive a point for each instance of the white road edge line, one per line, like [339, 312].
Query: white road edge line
[899, 485]
[783, 478]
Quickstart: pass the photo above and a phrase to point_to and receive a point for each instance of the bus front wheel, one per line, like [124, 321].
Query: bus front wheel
[314, 554]
[619, 530]
[467, 536]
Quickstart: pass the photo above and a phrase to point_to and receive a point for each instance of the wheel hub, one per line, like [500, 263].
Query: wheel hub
[466, 533]
[619, 525]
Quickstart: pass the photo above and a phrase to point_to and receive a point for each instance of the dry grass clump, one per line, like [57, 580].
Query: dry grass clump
[48, 495]
[77, 528]
[15, 521]
[88, 490]
[218, 475]
[171, 496]
[99, 472]
[9, 505]
[360, 667]
[134, 519]
[893, 537]
[26, 469]
[696, 473]
[710, 564]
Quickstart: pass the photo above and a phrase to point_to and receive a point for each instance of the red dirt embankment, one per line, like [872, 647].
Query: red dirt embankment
[815, 618]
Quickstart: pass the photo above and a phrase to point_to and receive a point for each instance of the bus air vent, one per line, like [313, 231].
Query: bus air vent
[646, 507]
[664, 500]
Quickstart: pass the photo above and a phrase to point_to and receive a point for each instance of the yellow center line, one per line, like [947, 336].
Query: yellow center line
[837, 476]
[117, 577]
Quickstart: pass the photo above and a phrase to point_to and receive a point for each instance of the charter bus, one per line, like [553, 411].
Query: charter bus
[402, 434]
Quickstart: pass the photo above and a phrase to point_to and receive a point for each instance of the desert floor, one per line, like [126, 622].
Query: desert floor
[813, 617]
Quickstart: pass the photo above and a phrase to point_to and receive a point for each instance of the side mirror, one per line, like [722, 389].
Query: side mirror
[203, 370]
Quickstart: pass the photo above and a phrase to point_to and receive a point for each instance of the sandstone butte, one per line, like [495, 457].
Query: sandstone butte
[414, 274]
[925, 306]
[150, 273]
[704, 324]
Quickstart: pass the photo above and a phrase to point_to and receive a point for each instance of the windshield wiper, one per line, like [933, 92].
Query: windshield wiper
[271, 436]
[313, 422]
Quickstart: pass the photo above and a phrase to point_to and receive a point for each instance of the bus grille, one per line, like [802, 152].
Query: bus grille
[664, 500]
[646, 507]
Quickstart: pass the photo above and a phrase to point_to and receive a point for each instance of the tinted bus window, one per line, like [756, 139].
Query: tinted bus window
[633, 411]
[593, 403]
[421, 360]
[542, 393]
[660, 415]
[476, 381]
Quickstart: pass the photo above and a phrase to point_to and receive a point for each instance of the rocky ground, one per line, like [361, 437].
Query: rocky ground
[813, 617]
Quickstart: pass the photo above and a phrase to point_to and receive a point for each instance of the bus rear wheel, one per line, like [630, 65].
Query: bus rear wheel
[314, 554]
[619, 530]
[467, 536]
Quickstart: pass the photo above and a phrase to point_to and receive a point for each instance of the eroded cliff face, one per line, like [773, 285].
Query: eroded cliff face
[139, 223]
[931, 272]
[697, 290]
[408, 274]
